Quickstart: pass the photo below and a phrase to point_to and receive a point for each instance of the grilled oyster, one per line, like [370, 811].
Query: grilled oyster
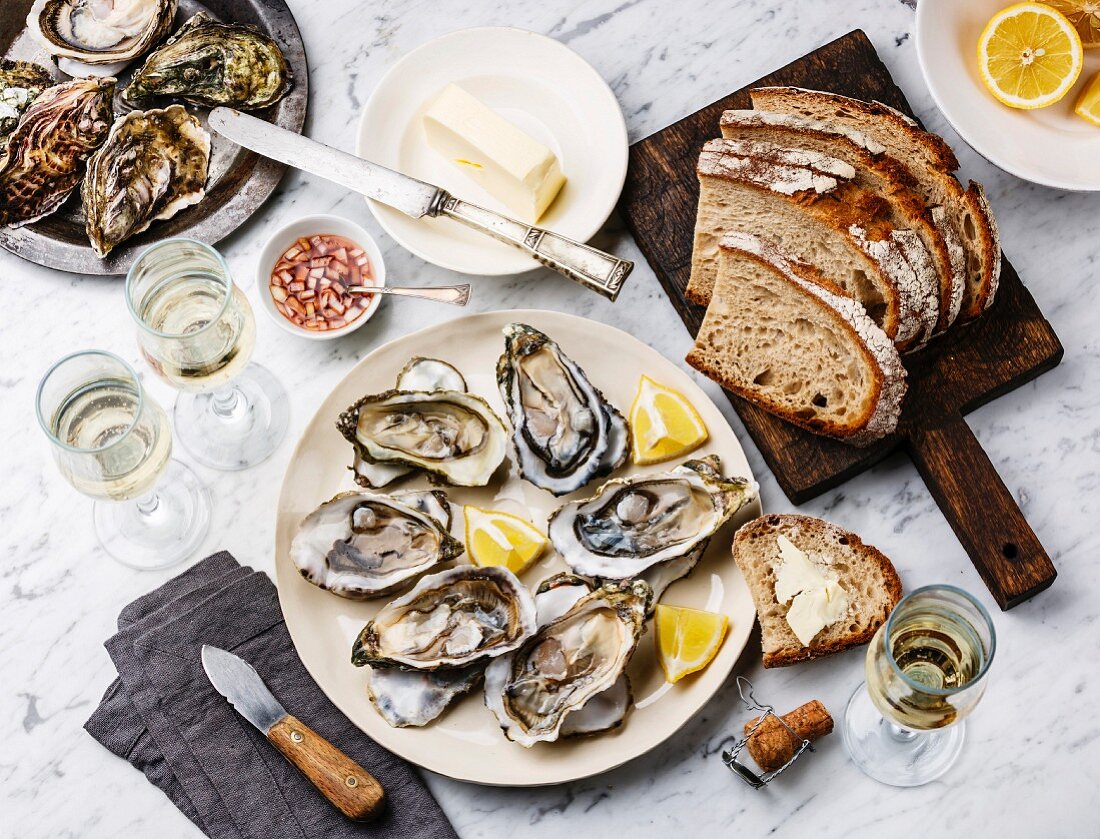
[100, 31]
[416, 697]
[453, 436]
[564, 432]
[418, 374]
[20, 83]
[448, 620]
[566, 663]
[43, 160]
[361, 545]
[152, 165]
[212, 63]
[633, 524]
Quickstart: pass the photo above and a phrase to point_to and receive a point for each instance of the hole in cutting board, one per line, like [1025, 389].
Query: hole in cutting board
[1010, 550]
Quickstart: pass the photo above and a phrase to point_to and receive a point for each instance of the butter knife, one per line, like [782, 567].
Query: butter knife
[602, 272]
[346, 784]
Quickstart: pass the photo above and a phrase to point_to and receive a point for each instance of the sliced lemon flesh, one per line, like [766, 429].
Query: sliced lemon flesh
[1088, 105]
[687, 639]
[1030, 55]
[497, 538]
[664, 424]
[1085, 17]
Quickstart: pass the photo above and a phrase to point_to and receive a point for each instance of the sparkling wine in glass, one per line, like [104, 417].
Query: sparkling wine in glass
[112, 442]
[197, 331]
[926, 669]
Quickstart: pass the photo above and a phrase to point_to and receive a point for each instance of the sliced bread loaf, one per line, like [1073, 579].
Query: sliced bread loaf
[778, 333]
[931, 162]
[868, 578]
[806, 202]
[876, 172]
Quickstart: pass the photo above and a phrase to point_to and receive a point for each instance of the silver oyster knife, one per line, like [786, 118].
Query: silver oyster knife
[346, 784]
[602, 272]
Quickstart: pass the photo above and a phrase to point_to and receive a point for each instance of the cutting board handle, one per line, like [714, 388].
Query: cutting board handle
[980, 510]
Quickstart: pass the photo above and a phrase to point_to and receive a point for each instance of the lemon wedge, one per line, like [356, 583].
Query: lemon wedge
[664, 424]
[1029, 55]
[687, 639]
[1085, 17]
[1088, 105]
[496, 538]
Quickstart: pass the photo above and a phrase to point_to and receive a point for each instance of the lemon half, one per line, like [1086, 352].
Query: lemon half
[1030, 55]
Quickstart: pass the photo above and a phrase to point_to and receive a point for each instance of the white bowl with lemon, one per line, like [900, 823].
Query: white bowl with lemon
[1019, 82]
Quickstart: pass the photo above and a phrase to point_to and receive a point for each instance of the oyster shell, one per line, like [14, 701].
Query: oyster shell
[448, 620]
[20, 84]
[632, 524]
[152, 165]
[453, 436]
[100, 31]
[564, 431]
[361, 544]
[412, 698]
[43, 159]
[419, 374]
[566, 663]
[211, 63]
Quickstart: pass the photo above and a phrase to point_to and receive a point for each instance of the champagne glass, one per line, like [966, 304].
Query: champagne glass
[196, 330]
[112, 442]
[926, 670]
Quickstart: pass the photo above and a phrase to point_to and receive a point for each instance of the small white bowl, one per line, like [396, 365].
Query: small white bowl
[311, 226]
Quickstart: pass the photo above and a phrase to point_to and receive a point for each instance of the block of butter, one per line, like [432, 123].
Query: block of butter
[512, 166]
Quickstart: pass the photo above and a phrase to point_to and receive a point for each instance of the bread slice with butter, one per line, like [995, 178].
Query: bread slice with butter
[812, 579]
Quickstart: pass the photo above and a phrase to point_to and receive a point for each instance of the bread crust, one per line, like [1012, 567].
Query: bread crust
[880, 355]
[777, 523]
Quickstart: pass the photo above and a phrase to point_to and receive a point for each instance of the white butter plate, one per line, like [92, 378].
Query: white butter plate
[535, 82]
[1049, 146]
[466, 743]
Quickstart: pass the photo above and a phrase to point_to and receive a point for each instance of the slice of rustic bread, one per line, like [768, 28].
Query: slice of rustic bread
[877, 172]
[930, 160]
[868, 577]
[778, 334]
[805, 202]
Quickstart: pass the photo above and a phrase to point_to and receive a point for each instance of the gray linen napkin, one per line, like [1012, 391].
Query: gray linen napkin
[164, 717]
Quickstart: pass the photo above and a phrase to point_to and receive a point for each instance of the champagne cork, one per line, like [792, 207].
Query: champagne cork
[772, 745]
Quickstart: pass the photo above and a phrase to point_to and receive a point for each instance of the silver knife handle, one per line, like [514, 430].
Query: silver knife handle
[599, 271]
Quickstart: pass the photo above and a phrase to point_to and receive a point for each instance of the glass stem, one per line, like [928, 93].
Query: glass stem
[227, 401]
[899, 734]
[148, 504]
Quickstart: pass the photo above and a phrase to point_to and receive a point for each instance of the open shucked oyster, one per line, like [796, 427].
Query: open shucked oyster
[361, 544]
[152, 165]
[565, 432]
[100, 31]
[633, 524]
[211, 63]
[455, 437]
[568, 662]
[449, 620]
[43, 160]
[20, 84]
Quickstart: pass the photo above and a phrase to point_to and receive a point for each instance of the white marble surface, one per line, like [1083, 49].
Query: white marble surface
[1030, 767]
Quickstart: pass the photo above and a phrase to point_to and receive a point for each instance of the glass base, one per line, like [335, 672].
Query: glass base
[895, 755]
[236, 427]
[158, 531]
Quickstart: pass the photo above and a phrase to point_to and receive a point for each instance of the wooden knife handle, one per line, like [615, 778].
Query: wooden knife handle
[981, 510]
[354, 791]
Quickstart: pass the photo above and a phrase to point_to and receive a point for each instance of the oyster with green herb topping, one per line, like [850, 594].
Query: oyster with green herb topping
[20, 84]
[212, 63]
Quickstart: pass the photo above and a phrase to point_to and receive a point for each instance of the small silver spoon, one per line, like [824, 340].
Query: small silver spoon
[456, 295]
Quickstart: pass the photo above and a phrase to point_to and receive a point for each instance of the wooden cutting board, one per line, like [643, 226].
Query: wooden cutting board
[972, 364]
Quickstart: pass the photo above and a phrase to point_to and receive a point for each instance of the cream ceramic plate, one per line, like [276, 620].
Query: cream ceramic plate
[466, 742]
[533, 81]
[1050, 146]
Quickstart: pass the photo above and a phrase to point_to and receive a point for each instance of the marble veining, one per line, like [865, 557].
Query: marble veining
[1030, 767]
